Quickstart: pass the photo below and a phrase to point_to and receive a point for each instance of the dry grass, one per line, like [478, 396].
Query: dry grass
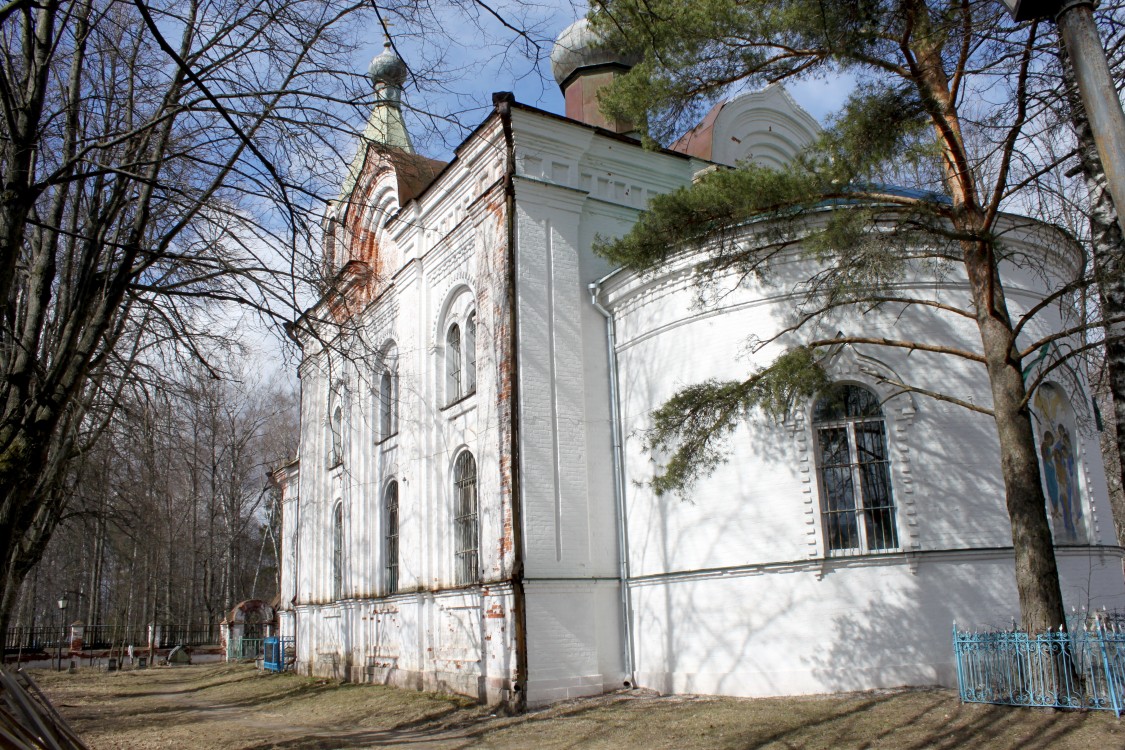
[221, 706]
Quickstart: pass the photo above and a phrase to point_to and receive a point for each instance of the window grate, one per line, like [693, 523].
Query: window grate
[388, 404]
[471, 353]
[390, 577]
[336, 429]
[453, 364]
[857, 505]
[338, 553]
[465, 521]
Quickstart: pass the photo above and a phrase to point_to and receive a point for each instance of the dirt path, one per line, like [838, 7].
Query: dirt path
[221, 706]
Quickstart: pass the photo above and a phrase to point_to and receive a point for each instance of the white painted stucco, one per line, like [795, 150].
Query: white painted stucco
[729, 590]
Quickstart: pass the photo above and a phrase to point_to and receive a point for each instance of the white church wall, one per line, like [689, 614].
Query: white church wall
[764, 127]
[571, 186]
[732, 591]
[435, 268]
[662, 321]
[751, 531]
[556, 465]
[574, 647]
[779, 632]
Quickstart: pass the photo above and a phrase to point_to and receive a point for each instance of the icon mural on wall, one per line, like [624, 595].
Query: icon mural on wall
[1059, 459]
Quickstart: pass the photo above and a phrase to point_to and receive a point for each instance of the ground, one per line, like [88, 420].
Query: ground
[235, 706]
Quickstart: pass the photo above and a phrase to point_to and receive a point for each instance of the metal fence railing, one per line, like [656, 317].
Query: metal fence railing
[109, 636]
[278, 654]
[1082, 668]
[244, 648]
[169, 635]
[33, 639]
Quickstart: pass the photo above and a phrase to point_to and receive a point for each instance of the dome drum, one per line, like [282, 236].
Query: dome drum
[582, 65]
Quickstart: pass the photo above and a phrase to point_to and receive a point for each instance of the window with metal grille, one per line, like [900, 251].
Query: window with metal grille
[338, 552]
[336, 430]
[390, 539]
[465, 521]
[453, 383]
[471, 353]
[857, 505]
[388, 404]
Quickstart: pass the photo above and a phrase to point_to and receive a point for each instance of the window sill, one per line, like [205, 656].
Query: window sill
[459, 402]
[845, 554]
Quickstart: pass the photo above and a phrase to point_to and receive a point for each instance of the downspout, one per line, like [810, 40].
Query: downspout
[296, 569]
[290, 330]
[618, 482]
[503, 101]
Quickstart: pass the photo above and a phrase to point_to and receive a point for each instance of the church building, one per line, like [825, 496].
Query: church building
[470, 511]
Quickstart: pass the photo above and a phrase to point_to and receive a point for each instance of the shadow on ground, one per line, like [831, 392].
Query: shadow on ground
[235, 707]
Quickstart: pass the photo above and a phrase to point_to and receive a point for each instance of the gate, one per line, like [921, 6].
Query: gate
[278, 654]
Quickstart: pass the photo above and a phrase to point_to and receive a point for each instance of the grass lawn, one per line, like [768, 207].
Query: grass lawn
[232, 706]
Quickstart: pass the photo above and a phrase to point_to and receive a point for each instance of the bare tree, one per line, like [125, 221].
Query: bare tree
[169, 513]
[158, 158]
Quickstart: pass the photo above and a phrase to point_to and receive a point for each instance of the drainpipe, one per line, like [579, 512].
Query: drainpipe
[503, 101]
[291, 332]
[296, 572]
[618, 481]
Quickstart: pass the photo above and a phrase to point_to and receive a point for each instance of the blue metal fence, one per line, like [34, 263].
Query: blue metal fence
[278, 653]
[1082, 668]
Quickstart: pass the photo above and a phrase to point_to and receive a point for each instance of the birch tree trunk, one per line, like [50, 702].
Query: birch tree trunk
[1109, 263]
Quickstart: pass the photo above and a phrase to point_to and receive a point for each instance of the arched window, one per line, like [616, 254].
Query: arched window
[338, 552]
[336, 428]
[390, 538]
[459, 345]
[852, 461]
[453, 382]
[471, 353]
[388, 404]
[465, 521]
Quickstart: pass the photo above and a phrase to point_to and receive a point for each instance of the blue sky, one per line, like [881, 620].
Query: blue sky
[456, 73]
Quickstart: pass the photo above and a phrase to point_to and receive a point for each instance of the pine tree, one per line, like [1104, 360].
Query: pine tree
[919, 64]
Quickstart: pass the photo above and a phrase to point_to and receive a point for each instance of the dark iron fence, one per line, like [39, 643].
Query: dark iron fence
[1082, 668]
[165, 636]
[34, 639]
[109, 636]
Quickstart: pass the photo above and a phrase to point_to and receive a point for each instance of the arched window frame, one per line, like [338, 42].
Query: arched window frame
[455, 340]
[471, 353]
[388, 397]
[336, 421]
[466, 520]
[390, 538]
[852, 451]
[338, 551]
[453, 365]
